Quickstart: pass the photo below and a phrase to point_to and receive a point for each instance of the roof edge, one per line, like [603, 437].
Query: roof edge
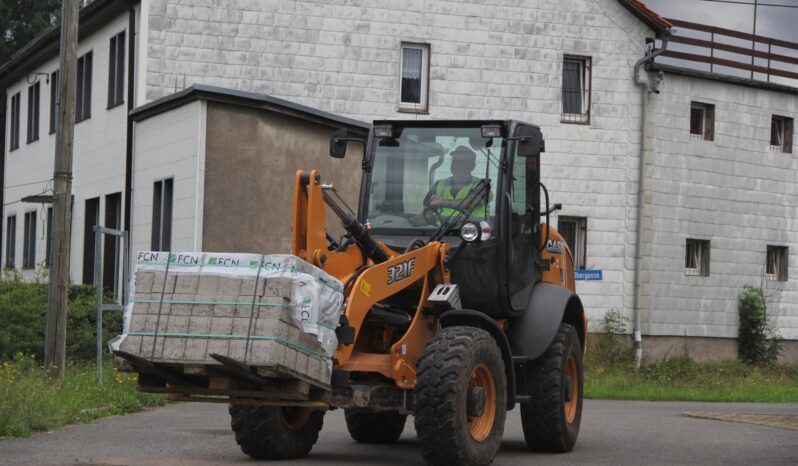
[724, 78]
[45, 46]
[246, 99]
[648, 16]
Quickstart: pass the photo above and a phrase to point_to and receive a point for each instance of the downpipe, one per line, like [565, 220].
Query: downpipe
[645, 90]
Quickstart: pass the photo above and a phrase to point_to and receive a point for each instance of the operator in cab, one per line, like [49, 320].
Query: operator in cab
[447, 194]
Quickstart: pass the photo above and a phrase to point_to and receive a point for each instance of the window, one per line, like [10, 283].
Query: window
[702, 121]
[776, 263]
[33, 112]
[162, 215]
[29, 241]
[11, 241]
[696, 258]
[112, 244]
[574, 231]
[14, 136]
[47, 258]
[415, 78]
[92, 218]
[576, 83]
[781, 129]
[116, 70]
[54, 96]
[83, 104]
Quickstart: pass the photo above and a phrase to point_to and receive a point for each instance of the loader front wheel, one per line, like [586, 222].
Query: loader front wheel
[551, 419]
[374, 427]
[275, 432]
[461, 397]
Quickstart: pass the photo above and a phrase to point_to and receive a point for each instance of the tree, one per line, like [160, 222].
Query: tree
[22, 20]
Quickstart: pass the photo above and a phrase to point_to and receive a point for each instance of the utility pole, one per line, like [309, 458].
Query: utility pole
[55, 343]
[753, 43]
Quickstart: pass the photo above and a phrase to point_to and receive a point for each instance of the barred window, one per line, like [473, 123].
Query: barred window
[696, 258]
[574, 231]
[576, 84]
[702, 121]
[781, 129]
[776, 263]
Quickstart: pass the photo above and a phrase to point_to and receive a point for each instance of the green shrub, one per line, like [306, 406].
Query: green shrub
[758, 343]
[610, 346]
[23, 307]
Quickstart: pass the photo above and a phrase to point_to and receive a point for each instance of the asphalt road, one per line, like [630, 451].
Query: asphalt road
[613, 432]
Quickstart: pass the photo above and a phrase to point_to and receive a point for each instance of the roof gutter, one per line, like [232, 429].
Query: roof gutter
[645, 89]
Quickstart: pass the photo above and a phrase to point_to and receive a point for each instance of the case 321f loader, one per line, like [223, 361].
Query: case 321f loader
[453, 312]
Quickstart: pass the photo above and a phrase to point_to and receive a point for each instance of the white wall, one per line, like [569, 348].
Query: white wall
[98, 155]
[170, 145]
[733, 191]
[502, 60]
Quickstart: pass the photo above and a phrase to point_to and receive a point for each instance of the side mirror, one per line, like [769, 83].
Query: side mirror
[530, 142]
[338, 144]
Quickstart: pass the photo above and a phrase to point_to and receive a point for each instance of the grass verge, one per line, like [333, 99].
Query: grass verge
[31, 401]
[682, 379]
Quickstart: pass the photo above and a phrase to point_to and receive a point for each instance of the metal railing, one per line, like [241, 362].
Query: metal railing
[122, 300]
[718, 41]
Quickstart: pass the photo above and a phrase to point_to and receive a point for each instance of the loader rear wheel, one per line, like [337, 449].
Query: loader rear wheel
[275, 432]
[374, 427]
[461, 397]
[551, 419]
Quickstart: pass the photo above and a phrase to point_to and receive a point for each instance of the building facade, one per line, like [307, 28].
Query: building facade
[718, 211]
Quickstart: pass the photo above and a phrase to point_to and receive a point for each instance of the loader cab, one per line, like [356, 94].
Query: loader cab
[408, 162]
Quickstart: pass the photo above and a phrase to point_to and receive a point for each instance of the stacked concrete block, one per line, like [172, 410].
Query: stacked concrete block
[185, 317]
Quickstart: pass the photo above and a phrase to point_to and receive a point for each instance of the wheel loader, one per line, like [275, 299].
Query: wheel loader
[457, 306]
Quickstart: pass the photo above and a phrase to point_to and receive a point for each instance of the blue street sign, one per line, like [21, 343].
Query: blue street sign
[590, 275]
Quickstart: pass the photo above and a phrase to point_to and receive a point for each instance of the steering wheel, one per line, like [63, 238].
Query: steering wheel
[435, 211]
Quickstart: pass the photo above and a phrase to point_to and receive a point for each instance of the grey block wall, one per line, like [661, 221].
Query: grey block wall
[734, 191]
[504, 60]
[487, 61]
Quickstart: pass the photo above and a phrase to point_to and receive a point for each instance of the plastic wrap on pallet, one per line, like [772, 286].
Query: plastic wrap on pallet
[315, 296]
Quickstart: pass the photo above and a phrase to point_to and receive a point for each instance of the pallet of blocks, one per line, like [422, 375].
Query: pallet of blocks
[276, 314]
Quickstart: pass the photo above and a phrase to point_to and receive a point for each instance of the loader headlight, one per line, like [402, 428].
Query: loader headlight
[473, 231]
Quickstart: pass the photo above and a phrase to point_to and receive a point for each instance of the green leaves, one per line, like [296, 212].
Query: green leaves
[758, 343]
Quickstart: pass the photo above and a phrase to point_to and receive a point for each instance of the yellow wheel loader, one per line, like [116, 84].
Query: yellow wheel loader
[459, 301]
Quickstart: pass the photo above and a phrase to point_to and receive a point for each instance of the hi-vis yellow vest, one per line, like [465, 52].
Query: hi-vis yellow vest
[443, 189]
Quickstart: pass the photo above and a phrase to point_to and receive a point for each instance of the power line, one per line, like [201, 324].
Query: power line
[751, 4]
[28, 184]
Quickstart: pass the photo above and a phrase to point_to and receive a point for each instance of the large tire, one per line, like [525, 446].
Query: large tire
[460, 367]
[374, 427]
[274, 432]
[551, 419]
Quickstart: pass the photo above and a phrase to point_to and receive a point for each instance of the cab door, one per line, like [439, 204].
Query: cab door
[523, 196]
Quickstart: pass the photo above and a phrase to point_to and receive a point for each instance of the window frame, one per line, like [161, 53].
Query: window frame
[423, 106]
[116, 70]
[11, 242]
[14, 123]
[707, 121]
[29, 240]
[784, 133]
[161, 237]
[702, 257]
[34, 99]
[579, 251]
[781, 255]
[585, 64]
[55, 94]
[83, 90]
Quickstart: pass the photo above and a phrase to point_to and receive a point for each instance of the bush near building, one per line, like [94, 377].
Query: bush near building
[23, 313]
[30, 400]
